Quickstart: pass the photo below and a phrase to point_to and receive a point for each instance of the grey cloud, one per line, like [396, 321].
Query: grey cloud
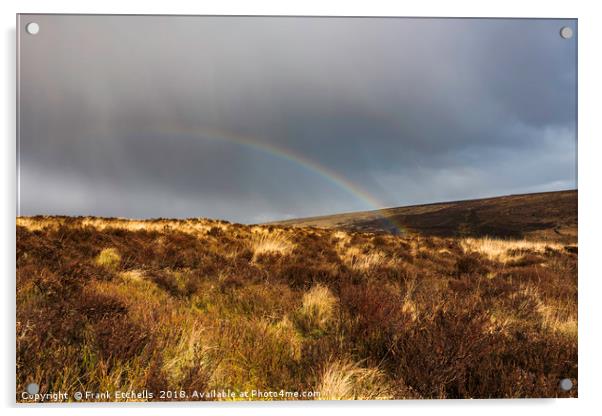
[116, 111]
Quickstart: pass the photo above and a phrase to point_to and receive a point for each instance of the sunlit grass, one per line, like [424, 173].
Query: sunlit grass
[201, 305]
[345, 380]
[269, 243]
[506, 250]
[109, 258]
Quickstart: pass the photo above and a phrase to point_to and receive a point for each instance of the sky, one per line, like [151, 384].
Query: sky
[252, 119]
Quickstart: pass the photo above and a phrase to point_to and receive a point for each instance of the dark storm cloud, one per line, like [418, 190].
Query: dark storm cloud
[119, 114]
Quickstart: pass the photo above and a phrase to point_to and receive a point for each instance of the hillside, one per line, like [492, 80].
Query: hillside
[106, 305]
[540, 216]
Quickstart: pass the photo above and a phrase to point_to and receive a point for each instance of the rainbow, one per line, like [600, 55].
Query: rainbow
[288, 155]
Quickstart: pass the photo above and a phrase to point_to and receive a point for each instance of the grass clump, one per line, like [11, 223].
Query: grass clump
[109, 258]
[317, 311]
[266, 242]
[346, 380]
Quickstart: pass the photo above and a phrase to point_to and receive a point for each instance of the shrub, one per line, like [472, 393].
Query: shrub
[471, 263]
[177, 283]
[374, 317]
[436, 357]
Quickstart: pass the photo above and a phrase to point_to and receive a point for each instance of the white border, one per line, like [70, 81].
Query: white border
[590, 289]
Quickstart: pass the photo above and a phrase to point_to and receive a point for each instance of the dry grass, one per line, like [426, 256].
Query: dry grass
[186, 354]
[557, 315]
[318, 308]
[358, 260]
[506, 250]
[198, 226]
[134, 275]
[265, 242]
[107, 304]
[109, 258]
[345, 380]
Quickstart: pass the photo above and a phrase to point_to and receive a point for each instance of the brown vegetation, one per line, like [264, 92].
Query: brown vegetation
[541, 216]
[107, 304]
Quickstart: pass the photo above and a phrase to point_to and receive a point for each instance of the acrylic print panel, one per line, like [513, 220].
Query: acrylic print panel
[295, 208]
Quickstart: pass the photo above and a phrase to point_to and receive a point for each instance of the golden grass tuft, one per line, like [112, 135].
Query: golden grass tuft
[133, 275]
[346, 380]
[505, 250]
[555, 316]
[555, 320]
[109, 258]
[264, 242]
[356, 259]
[317, 310]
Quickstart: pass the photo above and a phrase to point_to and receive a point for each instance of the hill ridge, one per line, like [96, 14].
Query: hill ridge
[548, 215]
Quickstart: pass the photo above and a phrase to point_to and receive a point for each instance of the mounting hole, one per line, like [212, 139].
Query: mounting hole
[565, 384]
[566, 32]
[33, 388]
[32, 28]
